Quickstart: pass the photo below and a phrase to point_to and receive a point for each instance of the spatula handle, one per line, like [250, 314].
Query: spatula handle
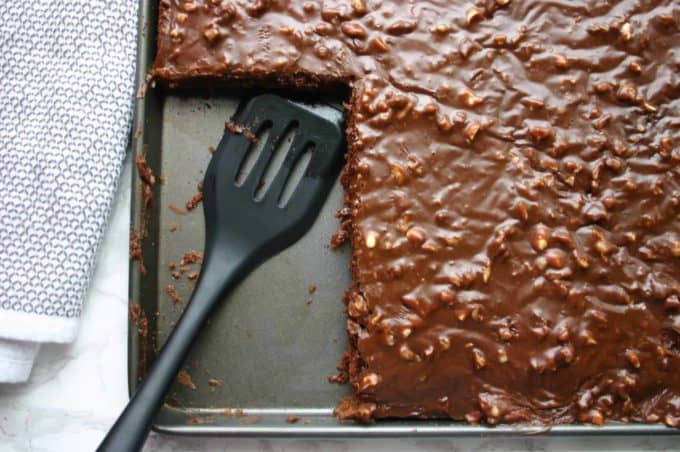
[132, 427]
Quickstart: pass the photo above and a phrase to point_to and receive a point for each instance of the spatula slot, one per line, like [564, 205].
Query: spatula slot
[296, 174]
[254, 151]
[282, 147]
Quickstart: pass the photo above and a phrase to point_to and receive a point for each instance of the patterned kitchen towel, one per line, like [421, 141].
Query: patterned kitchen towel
[66, 97]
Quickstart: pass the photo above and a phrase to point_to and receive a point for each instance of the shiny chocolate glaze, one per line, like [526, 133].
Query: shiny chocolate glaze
[513, 191]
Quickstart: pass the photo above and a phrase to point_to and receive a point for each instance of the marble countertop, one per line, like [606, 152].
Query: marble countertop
[77, 390]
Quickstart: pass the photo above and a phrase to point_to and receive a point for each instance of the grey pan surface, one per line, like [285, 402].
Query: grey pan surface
[267, 349]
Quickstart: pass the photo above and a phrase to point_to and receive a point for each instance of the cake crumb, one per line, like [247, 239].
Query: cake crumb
[143, 88]
[342, 375]
[173, 227]
[136, 250]
[139, 320]
[135, 313]
[339, 378]
[353, 408]
[212, 149]
[184, 379]
[201, 420]
[196, 199]
[291, 419]
[250, 420]
[339, 238]
[191, 257]
[147, 197]
[177, 210]
[214, 383]
[250, 136]
[342, 234]
[311, 288]
[240, 130]
[170, 289]
[148, 180]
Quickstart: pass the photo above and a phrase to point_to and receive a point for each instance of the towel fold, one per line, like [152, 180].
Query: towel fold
[66, 98]
[16, 360]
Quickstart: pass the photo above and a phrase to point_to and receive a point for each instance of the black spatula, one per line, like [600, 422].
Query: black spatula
[242, 229]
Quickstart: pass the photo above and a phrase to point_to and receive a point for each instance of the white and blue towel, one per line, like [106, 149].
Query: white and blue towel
[66, 99]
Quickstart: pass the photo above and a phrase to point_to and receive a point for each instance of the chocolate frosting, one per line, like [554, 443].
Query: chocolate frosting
[513, 191]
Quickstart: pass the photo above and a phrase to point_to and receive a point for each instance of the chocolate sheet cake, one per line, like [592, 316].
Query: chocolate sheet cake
[512, 189]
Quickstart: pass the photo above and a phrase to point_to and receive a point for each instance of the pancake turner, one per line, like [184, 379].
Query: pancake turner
[245, 225]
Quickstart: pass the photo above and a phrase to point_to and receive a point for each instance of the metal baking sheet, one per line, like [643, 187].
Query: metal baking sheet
[271, 348]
